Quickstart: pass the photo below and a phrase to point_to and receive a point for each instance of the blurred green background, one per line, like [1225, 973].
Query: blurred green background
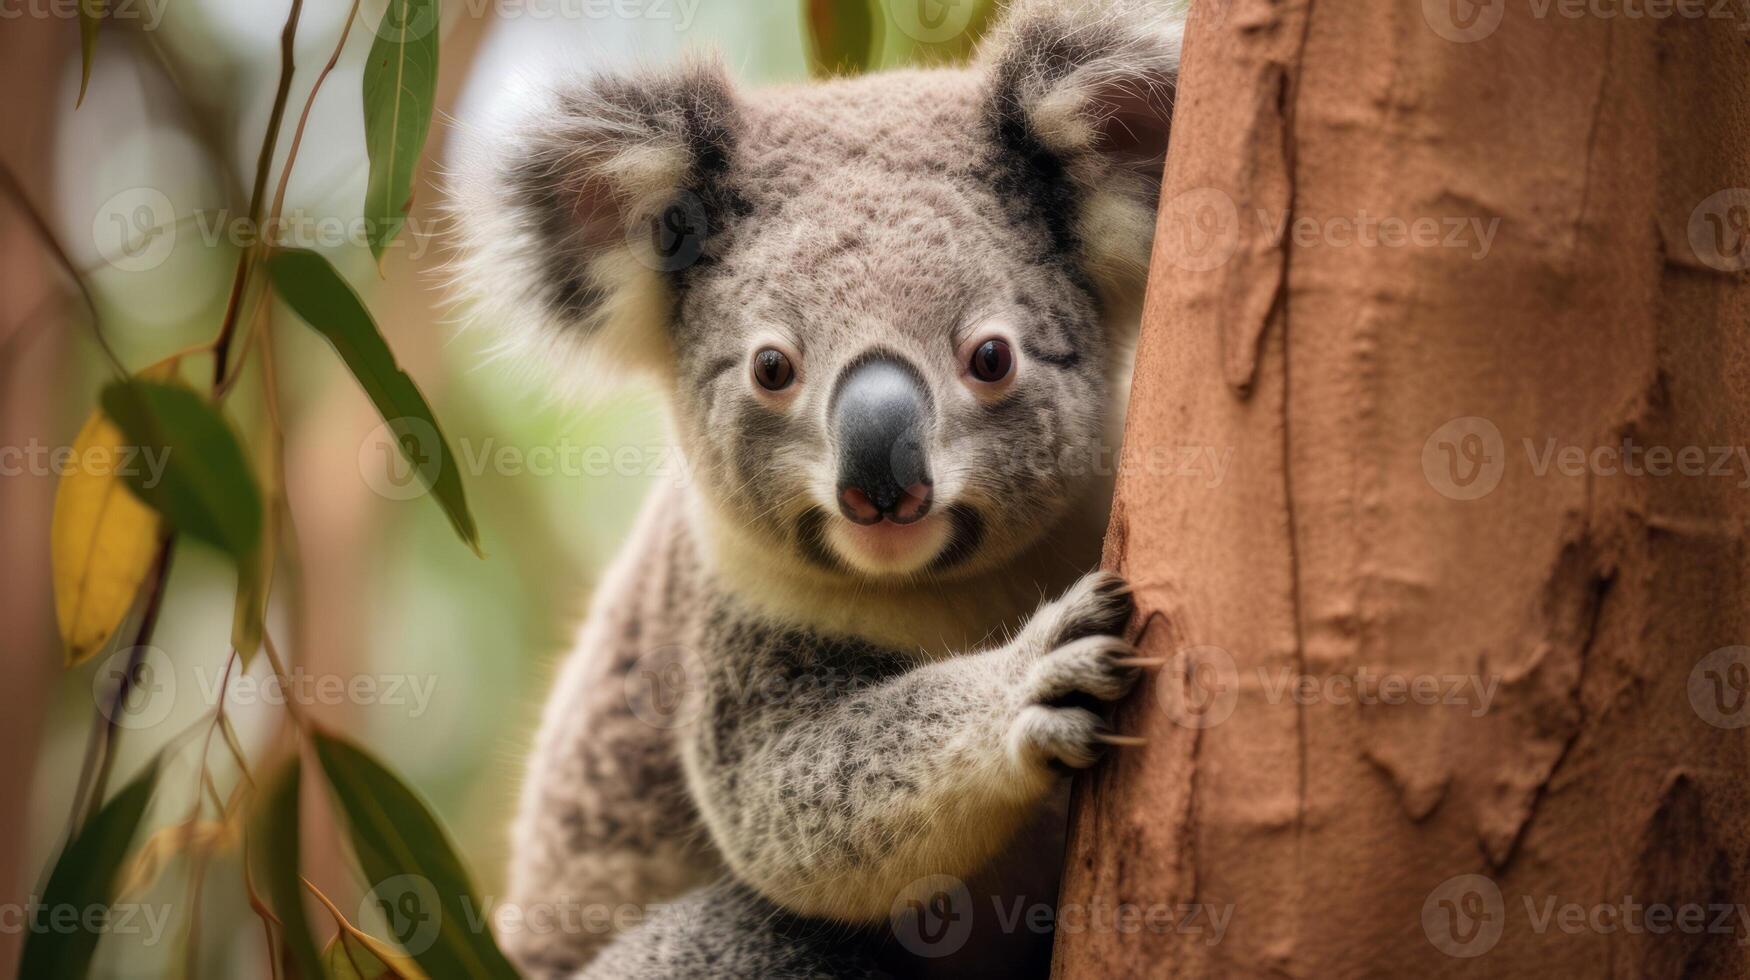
[457, 652]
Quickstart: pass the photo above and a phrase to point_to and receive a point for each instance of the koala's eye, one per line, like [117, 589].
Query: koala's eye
[772, 369]
[992, 361]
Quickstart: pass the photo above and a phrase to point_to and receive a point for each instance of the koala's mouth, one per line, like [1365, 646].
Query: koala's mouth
[935, 543]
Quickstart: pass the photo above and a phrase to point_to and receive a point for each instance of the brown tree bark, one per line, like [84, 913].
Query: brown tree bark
[34, 342]
[1394, 505]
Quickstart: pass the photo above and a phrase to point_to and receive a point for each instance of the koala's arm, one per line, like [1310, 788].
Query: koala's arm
[833, 798]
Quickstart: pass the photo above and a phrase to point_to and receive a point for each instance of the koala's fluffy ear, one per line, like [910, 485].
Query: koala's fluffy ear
[1082, 93]
[573, 223]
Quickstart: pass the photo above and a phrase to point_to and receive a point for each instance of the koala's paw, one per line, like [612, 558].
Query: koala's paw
[1074, 659]
[1099, 604]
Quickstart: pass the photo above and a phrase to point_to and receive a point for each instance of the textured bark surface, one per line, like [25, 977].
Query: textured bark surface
[1355, 531]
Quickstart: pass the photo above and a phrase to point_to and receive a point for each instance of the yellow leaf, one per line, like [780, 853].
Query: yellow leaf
[102, 539]
[168, 842]
[357, 956]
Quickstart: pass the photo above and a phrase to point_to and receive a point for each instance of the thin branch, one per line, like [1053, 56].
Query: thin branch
[262, 912]
[10, 184]
[263, 164]
[99, 752]
[279, 196]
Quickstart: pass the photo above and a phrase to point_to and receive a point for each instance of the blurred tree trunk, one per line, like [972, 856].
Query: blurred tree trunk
[1399, 503]
[33, 342]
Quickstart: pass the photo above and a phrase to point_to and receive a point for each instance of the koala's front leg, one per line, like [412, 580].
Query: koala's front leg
[833, 778]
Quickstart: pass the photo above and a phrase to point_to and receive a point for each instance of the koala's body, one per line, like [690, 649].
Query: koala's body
[892, 316]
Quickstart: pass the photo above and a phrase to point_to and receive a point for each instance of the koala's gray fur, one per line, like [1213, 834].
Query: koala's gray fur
[847, 729]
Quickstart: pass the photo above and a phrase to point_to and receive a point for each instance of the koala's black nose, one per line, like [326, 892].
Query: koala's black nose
[880, 413]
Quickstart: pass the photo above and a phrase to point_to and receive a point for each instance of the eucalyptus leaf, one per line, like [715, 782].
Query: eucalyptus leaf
[83, 882]
[90, 19]
[205, 489]
[317, 293]
[414, 874]
[400, 87]
[280, 856]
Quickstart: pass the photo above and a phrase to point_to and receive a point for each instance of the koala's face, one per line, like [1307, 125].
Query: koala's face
[890, 310]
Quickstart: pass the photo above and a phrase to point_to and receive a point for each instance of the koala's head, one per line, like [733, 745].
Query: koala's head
[891, 313]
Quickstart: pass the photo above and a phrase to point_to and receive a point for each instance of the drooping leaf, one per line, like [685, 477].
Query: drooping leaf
[414, 870]
[254, 579]
[844, 36]
[278, 854]
[249, 609]
[350, 956]
[400, 86]
[205, 489]
[84, 880]
[102, 539]
[90, 18]
[317, 293]
[151, 858]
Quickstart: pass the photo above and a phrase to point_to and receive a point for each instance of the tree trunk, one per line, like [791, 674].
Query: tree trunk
[34, 343]
[1454, 686]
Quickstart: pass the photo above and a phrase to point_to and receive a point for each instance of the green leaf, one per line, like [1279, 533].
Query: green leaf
[205, 488]
[414, 872]
[400, 87]
[844, 36]
[279, 854]
[84, 880]
[90, 17]
[311, 287]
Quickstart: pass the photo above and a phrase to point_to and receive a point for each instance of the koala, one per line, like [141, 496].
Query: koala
[892, 318]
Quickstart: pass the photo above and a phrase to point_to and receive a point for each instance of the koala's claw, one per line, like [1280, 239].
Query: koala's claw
[1097, 666]
[1065, 736]
[1076, 655]
[1099, 603]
